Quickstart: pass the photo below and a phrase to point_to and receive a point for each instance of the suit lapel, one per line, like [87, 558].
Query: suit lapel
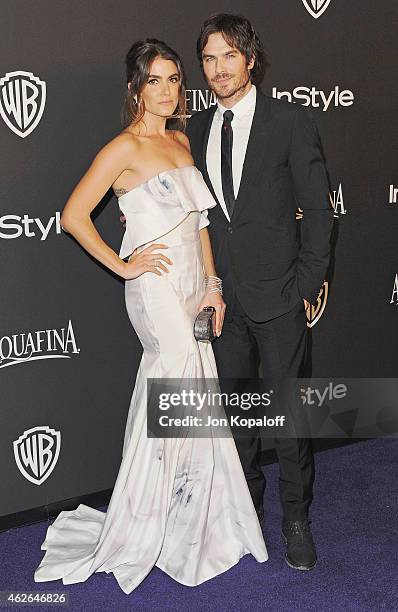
[255, 152]
[205, 140]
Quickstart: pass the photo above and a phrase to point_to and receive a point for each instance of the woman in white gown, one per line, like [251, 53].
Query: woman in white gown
[181, 503]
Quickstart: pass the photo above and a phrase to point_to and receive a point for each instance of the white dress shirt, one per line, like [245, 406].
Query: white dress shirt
[241, 124]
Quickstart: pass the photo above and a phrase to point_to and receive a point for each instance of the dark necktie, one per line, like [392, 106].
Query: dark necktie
[226, 162]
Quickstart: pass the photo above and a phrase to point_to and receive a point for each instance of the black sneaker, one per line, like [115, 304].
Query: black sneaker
[300, 553]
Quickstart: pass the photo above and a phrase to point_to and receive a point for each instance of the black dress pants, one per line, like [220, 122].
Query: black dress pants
[280, 344]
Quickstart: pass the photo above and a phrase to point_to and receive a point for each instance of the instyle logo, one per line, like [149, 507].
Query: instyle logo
[311, 396]
[338, 202]
[22, 101]
[36, 453]
[393, 195]
[394, 296]
[311, 96]
[41, 344]
[316, 8]
[198, 99]
[15, 226]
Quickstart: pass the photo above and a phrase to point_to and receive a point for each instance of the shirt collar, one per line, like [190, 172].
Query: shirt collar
[245, 106]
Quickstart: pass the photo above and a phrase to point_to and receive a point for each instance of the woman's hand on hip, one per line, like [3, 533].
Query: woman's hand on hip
[146, 261]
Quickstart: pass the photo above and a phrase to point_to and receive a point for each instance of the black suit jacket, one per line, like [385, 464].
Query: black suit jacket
[260, 254]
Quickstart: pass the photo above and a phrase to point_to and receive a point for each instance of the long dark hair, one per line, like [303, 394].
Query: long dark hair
[138, 63]
[239, 33]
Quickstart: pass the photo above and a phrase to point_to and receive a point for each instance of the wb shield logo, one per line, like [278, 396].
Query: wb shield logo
[36, 453]
[314, 313]
[22, 101]
[316, 8]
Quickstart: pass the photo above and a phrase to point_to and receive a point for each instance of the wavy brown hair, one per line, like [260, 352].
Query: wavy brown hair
[138, 64]
[239, 33]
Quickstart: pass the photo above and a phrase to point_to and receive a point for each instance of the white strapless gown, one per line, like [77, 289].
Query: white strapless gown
[181, 504]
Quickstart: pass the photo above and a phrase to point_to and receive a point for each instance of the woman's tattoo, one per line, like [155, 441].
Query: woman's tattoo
[120, 191]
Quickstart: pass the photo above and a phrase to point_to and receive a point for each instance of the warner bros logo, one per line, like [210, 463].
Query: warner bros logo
[315, 312]
[316, 8]
[22, 101]
[36, 453]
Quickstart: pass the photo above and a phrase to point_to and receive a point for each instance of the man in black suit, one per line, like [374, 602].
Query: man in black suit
[261, 159]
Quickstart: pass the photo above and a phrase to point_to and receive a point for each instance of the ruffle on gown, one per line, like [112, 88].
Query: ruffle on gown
[162, 203]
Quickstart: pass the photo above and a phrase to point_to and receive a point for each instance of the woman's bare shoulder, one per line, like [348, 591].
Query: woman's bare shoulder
[123, 143]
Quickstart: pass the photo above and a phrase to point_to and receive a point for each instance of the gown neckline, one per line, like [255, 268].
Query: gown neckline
[156, 176]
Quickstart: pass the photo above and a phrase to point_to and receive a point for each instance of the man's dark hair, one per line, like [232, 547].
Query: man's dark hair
[239, 33]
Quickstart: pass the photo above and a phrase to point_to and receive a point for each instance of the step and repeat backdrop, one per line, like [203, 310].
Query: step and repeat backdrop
[68, 354]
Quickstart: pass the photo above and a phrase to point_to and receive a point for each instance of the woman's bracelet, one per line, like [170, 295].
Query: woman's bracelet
[213, 284]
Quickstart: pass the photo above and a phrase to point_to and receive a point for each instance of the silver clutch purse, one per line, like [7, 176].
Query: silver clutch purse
[203, 326]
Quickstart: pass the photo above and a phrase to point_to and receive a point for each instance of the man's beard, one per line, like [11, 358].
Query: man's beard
[232, 93]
